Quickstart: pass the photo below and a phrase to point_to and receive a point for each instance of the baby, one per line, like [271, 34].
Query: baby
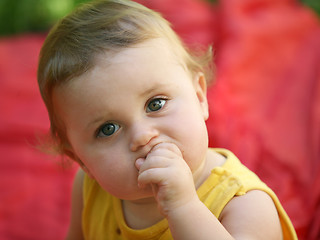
[127, 102]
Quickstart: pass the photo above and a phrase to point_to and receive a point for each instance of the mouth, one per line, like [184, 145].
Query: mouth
[145, 155]
[140, 160]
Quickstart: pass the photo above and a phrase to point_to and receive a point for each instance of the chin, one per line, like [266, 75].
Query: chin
[138, 195]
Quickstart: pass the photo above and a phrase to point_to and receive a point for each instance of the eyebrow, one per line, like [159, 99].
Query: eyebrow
[94, 122]
[149, 89]
[153, 88]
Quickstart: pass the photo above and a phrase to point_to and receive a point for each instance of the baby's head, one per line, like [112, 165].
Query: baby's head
[101, 28]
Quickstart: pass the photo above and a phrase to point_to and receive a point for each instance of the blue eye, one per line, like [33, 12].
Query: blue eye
[155, 105]
[107, 129]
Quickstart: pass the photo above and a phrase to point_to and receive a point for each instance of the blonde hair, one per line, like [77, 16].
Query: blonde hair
[101, 26]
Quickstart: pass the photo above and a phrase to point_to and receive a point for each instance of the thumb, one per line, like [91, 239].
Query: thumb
[139, 163]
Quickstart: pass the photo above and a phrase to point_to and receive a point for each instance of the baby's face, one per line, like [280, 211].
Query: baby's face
[118, 111]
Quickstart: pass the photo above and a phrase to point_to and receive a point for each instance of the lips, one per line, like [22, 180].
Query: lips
[147, 149]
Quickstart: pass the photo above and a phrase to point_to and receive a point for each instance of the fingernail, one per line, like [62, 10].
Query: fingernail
[139, 162]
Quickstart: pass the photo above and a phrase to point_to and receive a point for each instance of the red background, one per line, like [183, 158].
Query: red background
[264, 106]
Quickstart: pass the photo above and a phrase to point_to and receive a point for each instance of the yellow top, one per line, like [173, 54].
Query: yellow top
[103, 218]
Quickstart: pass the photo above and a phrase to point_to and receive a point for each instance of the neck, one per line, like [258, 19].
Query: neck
[141, 214]
[211, 161]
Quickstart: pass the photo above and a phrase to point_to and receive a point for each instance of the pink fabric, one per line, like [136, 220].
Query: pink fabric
[35, 190]
[265, 106]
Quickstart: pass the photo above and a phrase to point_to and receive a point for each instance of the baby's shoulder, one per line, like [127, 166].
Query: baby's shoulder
[244, 214]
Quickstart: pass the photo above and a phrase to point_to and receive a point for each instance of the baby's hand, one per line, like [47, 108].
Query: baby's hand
[170, 176]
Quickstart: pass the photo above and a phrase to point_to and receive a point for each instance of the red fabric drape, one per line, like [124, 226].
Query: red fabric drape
[34, 187]
[264, 106]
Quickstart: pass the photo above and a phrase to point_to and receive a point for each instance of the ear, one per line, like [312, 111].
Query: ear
[200, 86]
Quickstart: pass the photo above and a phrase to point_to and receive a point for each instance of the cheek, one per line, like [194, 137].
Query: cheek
[105, 162]
[195, 152]
[192, 135]
[97, 158]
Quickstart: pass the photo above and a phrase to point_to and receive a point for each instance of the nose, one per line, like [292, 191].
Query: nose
[142, 134]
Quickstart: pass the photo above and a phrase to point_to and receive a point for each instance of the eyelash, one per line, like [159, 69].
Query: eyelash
[100, 134]
[163, 100]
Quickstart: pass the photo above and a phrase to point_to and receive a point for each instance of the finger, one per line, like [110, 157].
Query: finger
[154, 162]
[139, 162]
[152, 176]
[170, 147]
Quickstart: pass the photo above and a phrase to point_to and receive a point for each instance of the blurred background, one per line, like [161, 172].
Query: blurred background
[264, 104]
[21, 16]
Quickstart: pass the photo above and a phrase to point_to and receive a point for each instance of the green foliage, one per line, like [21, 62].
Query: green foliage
[314, 4]
[20, 16]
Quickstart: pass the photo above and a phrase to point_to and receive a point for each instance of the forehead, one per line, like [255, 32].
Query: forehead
[140, 64]
[159, 51]
[135, 70]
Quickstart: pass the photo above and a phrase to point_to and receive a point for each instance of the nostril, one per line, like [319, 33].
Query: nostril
[142, 138]
[135, 146]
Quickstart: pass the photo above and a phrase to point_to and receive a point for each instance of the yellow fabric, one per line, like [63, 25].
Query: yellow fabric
[103, 219]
